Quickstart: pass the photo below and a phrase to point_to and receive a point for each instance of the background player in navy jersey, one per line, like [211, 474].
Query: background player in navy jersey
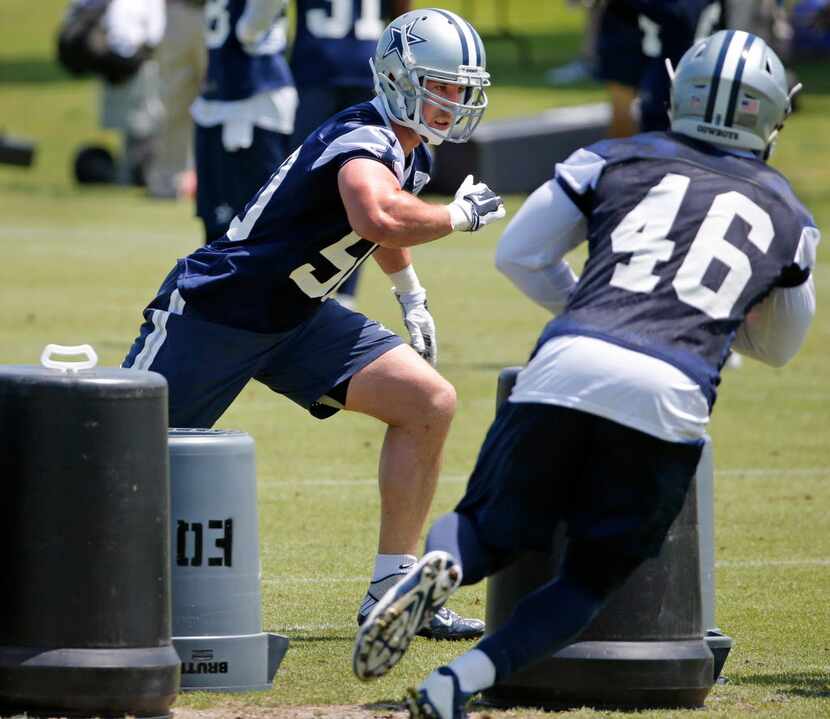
[334, 41]
[635, 38]
[695, 244]
[244, 116]
[252, 304]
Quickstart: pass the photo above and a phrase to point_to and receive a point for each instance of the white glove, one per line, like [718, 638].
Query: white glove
[237, 134]
[419, 323]
[475, 205]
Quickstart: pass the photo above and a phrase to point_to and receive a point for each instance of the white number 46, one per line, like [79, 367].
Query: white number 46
[644, 230]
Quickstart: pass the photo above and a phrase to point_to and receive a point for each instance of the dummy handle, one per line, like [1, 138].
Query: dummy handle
[68, 366]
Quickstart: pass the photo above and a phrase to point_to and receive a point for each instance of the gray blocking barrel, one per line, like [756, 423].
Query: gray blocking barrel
[719, 643]
[84, 513]
[646, 648]
[217, 609]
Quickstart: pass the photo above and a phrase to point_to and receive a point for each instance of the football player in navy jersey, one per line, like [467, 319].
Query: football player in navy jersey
[695, 245]
[244, 116]
[253, 303]
[334, 41]
[635, 38]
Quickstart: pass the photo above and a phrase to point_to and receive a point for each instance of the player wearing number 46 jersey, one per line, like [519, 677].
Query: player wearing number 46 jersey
[694, 245]
[253, 303]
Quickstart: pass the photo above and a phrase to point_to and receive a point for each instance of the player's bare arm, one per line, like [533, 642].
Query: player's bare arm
[379, 210]
[392, 259]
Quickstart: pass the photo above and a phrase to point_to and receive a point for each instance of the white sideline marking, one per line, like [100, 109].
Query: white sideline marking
[765, 472]
[740, 563]
[721, 564]
[315, 580]
[747, 472]
[447, 479]
[316, 627]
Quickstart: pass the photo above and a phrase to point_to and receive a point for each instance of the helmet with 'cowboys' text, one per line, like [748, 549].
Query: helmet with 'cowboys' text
[731, 89]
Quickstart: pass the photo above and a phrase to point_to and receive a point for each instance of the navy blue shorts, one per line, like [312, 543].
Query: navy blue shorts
[617, 489]
[227, 181]
[206, 365]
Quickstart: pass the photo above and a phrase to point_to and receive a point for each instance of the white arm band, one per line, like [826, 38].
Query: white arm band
[775, 329]
[531, 250]
[405, 280]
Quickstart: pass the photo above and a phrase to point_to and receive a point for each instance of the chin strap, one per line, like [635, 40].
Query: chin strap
[770, 148]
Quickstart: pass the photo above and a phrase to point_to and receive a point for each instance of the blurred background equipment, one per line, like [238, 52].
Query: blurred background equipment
[16, 151]
[94, 165]
[114, 40]
[520, 153]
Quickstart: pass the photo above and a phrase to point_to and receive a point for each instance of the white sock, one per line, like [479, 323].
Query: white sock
[388, 570]
[474, 670]
[389, 564]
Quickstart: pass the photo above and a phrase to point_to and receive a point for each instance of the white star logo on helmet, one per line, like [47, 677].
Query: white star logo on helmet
[397, 36]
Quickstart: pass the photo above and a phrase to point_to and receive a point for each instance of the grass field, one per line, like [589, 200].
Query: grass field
[79, 265]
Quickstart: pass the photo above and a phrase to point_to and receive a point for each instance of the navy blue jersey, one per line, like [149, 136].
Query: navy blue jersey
[683, 240]
[292, 245]
[676, 24]
[635, 32]
[334, 41]
[234, 71]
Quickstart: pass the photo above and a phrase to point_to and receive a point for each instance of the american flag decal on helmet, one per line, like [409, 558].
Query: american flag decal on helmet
[750, 105]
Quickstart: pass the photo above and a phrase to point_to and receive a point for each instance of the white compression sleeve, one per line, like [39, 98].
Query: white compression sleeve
[775, 329]
[531, 250]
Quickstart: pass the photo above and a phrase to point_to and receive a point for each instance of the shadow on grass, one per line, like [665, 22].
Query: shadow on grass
[32, 70]
[807, 685]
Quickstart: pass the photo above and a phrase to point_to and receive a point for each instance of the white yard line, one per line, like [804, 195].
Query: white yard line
[722, 564]
[745, 472]
[749, 563]
[315, 628]
[768, 472]
[314, 580]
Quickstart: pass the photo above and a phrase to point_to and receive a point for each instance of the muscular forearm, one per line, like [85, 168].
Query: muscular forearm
[392, 259]
[402, 220]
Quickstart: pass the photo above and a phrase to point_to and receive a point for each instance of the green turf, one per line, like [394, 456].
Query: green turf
[78, 266]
